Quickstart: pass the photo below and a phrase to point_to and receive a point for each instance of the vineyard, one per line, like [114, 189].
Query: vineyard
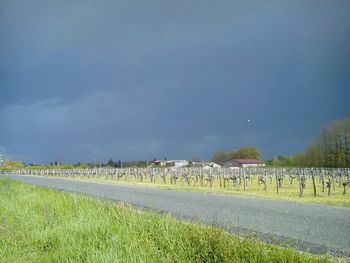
[295, 181]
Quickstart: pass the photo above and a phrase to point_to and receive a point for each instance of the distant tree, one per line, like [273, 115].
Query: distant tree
[242, 153]
[219, 157]
[77, 164]
[111, 163]
[247, 153]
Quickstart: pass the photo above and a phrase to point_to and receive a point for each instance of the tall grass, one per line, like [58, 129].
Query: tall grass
[41, 225]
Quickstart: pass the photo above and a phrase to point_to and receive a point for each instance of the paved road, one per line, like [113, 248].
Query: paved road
[316, 228]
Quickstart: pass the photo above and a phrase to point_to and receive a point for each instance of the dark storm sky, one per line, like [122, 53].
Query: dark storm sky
[93, 80]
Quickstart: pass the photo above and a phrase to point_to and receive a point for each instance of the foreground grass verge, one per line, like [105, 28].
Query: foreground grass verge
[41, 225]
[289, 192]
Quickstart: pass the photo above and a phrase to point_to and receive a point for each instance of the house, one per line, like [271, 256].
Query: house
[243, 163]
[205, 165]
[161, 163]
[171, 163]
[178, 163]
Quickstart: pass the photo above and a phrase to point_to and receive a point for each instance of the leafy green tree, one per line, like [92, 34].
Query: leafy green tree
[247, 153]
[242, 153]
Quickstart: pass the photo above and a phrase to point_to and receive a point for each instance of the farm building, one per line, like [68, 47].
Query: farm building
[242, 163]
[171, 163]
[206, 165]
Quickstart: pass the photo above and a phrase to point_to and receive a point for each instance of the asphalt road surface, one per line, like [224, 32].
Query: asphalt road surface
[316, 228]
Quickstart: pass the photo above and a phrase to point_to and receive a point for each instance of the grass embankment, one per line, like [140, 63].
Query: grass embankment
[288, 191]
[41, 225]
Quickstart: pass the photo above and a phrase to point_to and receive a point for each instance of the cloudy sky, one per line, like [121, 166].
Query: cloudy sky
[130, 80]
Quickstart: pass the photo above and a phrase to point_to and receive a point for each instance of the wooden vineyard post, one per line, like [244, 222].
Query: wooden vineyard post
[329, 185]
[240, 176]
[302, 185]
[234, 182]
[291, 177]
[276, 180]
[243, 176]
[313, 181]
[141, 175]
[322, 183]
[262, 180]
[164, 176]
[201, 177]
[211, 178]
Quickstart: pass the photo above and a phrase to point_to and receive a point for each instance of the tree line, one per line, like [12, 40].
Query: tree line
[248, 152]
[331, 148]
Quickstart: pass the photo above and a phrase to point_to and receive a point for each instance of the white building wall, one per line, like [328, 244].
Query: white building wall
[180, 163]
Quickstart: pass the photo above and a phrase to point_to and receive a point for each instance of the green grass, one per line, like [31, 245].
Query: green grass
[41, 225]
[289, 192]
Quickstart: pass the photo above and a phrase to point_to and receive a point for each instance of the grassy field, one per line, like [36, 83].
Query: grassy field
[288, 191]
[41, 225]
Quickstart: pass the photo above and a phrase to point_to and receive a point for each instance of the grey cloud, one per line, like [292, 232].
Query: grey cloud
[85, 79]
